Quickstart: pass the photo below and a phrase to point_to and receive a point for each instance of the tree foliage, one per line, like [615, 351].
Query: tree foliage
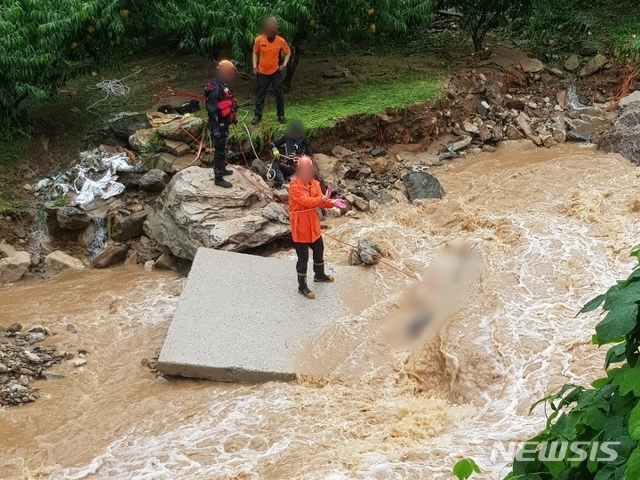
[44, 43]
[480, 16]
[608, 412]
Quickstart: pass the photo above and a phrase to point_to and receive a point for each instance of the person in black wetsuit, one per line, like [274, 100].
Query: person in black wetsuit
[222, 108]
[292, 145]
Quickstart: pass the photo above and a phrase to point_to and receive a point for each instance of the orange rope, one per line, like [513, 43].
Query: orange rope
[260, 189]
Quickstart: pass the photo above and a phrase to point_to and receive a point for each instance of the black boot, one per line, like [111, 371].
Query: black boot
[320, 276]
[303, 289]
[282, 119]
[226, 172]
[220, 181]
[256, 120]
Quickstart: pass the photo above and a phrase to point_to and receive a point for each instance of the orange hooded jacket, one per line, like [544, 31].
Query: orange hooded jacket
[303, 201]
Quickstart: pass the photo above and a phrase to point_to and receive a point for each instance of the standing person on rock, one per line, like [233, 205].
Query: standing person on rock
[221, 107]
[304, 197]
[268, 66]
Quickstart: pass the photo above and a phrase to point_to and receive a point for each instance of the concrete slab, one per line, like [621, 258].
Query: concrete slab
[240, 318]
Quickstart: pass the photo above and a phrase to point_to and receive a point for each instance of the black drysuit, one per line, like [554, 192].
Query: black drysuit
[215, 92]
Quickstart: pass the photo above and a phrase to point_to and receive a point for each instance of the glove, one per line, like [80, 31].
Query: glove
[276, 153]
[338, 202]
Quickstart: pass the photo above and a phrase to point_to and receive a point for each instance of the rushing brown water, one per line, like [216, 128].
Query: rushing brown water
[552, 228]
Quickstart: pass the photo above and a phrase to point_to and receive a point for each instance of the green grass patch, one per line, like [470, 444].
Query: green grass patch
[321, 113]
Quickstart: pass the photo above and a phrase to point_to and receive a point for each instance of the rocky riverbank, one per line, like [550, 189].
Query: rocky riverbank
[23, 360]
[148, 199]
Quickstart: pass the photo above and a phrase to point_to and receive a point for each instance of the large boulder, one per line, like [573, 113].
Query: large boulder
[193, 212]
[72, 218]
[331, 169]
[624, 135]
[154, 180]
[14, 267]
[112, 255]
[146, 140]
[182, 129]
[422, 185]
[126, 126]
[60, 261]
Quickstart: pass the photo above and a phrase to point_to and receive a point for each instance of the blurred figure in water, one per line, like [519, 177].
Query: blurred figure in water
[428, 304]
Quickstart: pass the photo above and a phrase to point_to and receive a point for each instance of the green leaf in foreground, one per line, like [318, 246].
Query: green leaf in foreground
[464, 468]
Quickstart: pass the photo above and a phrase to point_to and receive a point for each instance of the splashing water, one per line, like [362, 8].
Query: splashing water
[100, 236]
[552, 228]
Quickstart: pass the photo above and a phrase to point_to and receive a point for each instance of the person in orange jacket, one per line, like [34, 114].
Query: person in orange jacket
[305, 196]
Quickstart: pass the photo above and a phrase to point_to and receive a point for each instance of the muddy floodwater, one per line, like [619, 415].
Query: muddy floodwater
[551, 227]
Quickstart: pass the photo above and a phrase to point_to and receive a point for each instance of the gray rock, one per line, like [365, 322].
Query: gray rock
[524, 123]
[32, 357]
[629, 99]
[558, 130]
[461, 144]
[579, 136]
[483, 109]
[13, 268]
[572, 63]
[71, 328]
[422, 185]
[531, 65]
[624, 135]
[361, 204]
[111, 255]
[127, 126]
[177, 148]
[593, 65]
[366, 253]
[484, 134]
[513, 133]
[192, 212]
[181, 129]
[331, 169]
[154, 180]
[72, 218]
[166, 262]
[378, 151]
[131, 226]
[35, 337]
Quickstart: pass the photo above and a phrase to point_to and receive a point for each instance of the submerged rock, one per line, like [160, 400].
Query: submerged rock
[366, 253]
[193, 212]
[422, 185]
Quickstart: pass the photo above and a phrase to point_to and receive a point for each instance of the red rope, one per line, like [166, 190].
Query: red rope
[261, 190]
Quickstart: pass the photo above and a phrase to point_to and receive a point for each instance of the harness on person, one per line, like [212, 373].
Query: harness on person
[227, 105]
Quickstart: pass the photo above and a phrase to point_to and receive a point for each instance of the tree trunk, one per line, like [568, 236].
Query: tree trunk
[478, 41]
[293, 65]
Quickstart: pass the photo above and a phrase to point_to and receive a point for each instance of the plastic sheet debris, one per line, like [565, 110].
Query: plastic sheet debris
[94, 176]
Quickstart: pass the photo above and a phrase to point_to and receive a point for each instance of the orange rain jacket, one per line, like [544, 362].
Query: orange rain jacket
[303, 201]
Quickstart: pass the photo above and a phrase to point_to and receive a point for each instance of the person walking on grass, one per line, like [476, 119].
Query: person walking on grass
[268, 65]
[222, 108]
[304, 197]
